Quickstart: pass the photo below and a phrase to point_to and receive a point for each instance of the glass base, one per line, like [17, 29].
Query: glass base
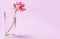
[16, 36]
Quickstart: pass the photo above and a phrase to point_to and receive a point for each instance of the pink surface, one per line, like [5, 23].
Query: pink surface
[41, 20]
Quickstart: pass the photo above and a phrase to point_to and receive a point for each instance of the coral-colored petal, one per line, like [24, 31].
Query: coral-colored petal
[21, 9]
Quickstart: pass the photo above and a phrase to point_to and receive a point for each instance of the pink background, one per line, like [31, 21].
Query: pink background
[41, 20]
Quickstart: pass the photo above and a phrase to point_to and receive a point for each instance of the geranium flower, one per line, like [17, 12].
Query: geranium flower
[19, 6]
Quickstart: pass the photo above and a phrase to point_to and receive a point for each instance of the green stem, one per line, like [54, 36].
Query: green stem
[11, 25]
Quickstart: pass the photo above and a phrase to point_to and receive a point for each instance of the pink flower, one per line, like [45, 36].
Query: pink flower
[19, 6]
